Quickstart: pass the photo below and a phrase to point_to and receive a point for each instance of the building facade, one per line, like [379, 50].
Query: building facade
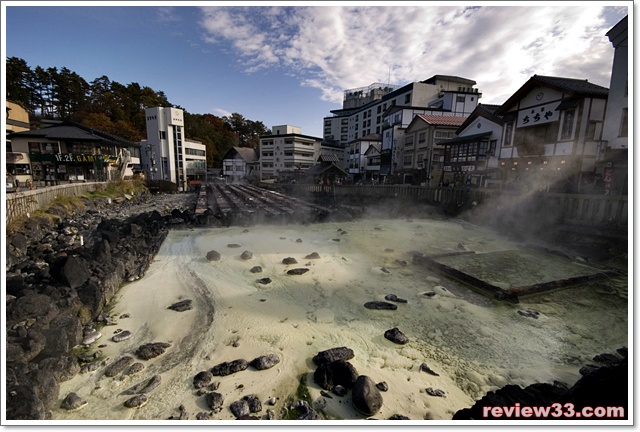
[17, 163]
[552, 131]
[167, 154]
[357, 160]
[70, 152]
[286, 153]
[240, 163]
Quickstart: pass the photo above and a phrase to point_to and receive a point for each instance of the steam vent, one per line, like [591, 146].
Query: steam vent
[508, 275]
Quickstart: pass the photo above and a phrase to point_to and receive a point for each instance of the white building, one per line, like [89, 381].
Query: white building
[286, 153]
[166, 153]
[357, 159]
[240, 163]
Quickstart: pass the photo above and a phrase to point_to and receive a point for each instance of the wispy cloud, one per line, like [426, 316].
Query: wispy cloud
[333, 48]
[222, 112]
[167, 14]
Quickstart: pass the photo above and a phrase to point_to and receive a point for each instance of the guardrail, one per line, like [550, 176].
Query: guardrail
[22, 202]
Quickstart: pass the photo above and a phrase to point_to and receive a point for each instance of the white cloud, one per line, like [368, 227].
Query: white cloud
[334, 48]
[222, 112]
[167, 14]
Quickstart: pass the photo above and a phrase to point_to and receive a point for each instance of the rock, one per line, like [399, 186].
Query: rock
[264, 281]
[213, 256]
[136, 401]
[233, 245]
[91, 337]
[339, 372]
[181, 306]
[608, 359]
[254, 403]
[228, 368]
[313, 255]
[395, 298]
[333, 354]
[202, 379]
[380, 305]
[382, 386]
[75, 271]
[398, 417]
[289, 260]
[325, 394]
[248, 417]
[61, 367]
[384, 270]
[429, 293]
[396, 336]
[151, 350]
[265, 361]
[365, 396]
[134, 368]
[529, 313]
[339, 390]
[425, 368]
[435, 392]
[118, 366]
[214, 401]
[297, 271]
[202, 415]
[246, 255]
[239, 408]
[73, 402]
[145, 386]
[122, 336]
[256, 269]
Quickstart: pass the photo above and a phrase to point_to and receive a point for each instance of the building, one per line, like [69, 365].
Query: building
[167, 154]
[335, 149]
[612, 168]
[471, 158]
[552, 130]
[286, 153]
[372, 164]
[357, 159]
[70, 152]
[17, 163]
[422, 154]
[325, 172]
[240, 163]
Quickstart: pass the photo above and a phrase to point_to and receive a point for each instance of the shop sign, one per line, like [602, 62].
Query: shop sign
[538, 115]
[72, 157]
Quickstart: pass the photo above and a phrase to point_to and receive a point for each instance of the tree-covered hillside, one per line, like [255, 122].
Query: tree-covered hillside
[112, 107]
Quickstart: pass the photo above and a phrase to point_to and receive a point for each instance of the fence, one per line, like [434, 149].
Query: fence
[23, 202]
[576, 209]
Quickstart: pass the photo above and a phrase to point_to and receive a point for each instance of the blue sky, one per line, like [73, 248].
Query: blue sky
[290, 64]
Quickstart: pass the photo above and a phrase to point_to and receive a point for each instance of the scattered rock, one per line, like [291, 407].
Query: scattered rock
[297, 271]
[398, 417]
[239, 408]
[233, 245]
[122, 336]
[254, 403]
[529, 313]
[365, 396]
[91, 337]
[384, 270]
[425, 368]
[214, 401]
[380, 305]
[256, 269]
[339, 390]
[264, 281]
[246, 255]
[118, 366]
[228, 368]
[313, 255]
[213, 256]
[151, 350]
[181, 306]
[145, 386]
[435, 392]
[396, 336]
[382, 386]
[202, 415]
[73, 402]
[429, 293]
[265, 362]
[333, 354]
[136, 401]
[134, 368]
[395, 298]
[289, 260]
[339, 372]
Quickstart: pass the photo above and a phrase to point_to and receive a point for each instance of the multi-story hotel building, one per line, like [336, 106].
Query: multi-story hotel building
[286, 153]
[167, 154]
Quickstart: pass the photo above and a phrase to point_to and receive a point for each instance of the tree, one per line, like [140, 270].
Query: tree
[19, 82]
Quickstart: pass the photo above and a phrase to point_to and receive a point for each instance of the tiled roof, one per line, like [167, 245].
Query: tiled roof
[75, 132]
[247, 154]
[442, 120]
[575, 86]
[328, 158]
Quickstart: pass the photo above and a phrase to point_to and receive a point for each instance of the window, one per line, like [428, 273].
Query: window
[379, 110]
[34, 147]
[407, 98]
[508, 134]
[421, 137]
[408, 160]
[408, 141]
[163, 135]
[8, 146]
[624, 123]
[566, 132]
[460, 99]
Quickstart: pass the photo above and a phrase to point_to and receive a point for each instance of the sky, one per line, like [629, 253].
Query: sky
[290, 62]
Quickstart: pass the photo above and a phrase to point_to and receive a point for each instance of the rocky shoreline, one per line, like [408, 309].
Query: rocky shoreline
[61, 276]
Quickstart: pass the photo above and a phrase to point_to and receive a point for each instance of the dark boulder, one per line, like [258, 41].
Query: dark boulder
[396, 336]
[75, 271]
[214, 401]
[246, 255]
[339, 372]
[289, 260]
[264, 281]
[202, 379]
[395, 298]
[297, 271]
[254, 403]
[239, 408]
[181, 306]
[228, 368]
[265, 362]
[333, 354]
[365, 396]
[118, 366]
[380, 305]
[213, 256]
[151, 350]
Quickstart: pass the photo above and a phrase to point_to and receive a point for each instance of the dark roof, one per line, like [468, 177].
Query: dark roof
[570, 86]
[70, 131]
[323, 168]
[247, 154]
[466, 139]
[482, 110]
[373, 147]
[328, 158]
